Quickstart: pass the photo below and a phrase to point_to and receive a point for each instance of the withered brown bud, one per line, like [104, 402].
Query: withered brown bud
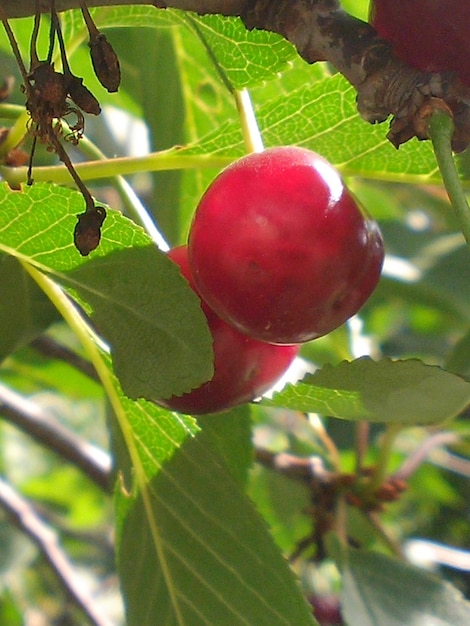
[49, 89]
[82, 96]
[16, 158]
[87, 233]
[105, 62]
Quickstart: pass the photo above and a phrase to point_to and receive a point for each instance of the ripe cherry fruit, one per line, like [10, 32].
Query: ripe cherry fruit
[243, 368]
[431, 35]
[280, 249]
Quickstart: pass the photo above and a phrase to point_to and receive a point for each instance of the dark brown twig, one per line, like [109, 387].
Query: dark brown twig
[43, 428]
[321, 30]
[52, 348]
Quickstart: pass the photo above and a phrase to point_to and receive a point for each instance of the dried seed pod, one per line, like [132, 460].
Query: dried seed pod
[105, 62]
[82, 96]
[47, 92]
[87, 233]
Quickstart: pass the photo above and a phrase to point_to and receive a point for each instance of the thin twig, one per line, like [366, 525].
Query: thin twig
[27, 520]
[300, 468]
[393, 545]
[450, 462]
[52, 348]
[362, 443]
[417, 458]
[44, 429]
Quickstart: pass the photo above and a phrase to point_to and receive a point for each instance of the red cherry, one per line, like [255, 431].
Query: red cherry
[431, 35]
[243, 368]
[280, 249]
[326, 609]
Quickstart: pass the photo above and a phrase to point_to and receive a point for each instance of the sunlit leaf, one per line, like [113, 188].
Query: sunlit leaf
[193, 550]
[404, 392]
[134, 294]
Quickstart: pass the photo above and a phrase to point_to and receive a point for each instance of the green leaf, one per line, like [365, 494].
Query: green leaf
[404, 392]
[10, 612]
[380, 591]
[134, 294]
[322, 116]
[24, 310]
[283, 503]
[193, 551]
[230, 435]
[245, 57]
[458, 359]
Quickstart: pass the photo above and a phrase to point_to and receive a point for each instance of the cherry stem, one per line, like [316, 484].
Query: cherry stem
[362, 443]
[249, 124]
[94, 170]
[64, 157]
[55, 24]
[386, 449]
[376, 524]
[251, 134]
[33, 53]
[441, 130]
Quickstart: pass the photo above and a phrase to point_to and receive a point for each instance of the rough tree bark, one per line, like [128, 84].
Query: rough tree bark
[321, 30]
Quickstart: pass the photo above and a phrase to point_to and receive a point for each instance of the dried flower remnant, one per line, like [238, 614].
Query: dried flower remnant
[53, 96]
[103, 57]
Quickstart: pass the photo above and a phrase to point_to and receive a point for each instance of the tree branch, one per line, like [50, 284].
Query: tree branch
[26, 8]
[52, 348]
[321, 30]
[26, 519]
[38, 424]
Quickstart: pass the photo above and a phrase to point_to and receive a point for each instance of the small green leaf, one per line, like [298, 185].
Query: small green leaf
[404, 392]
[380, 591]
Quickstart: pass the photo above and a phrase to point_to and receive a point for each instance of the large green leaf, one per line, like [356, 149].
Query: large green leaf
[380, 591]
[404, 392]
[193, 551]
[322, 116]
[246, 57]
[230, 435]
[134, 294]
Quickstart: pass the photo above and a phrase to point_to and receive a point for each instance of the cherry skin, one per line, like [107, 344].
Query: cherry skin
[326, 609]
[431, 35]
[243, 368]
[280, 249]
